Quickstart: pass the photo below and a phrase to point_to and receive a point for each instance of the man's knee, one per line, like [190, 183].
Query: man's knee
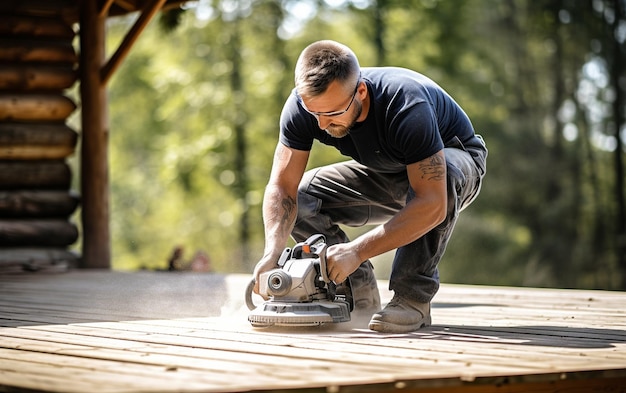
[464, 177]
[308, 205]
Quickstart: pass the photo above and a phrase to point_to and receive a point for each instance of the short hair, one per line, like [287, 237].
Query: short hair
[321, 63]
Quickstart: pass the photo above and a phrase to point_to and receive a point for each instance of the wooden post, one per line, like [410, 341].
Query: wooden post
[94, 148]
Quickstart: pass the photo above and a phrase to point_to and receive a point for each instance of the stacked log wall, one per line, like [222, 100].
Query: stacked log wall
[38, 63]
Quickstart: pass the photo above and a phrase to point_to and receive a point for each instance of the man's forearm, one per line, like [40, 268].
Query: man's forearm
[411, 223]
[279, 215]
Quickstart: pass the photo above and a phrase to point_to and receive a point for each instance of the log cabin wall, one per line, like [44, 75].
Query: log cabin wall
[38, 63]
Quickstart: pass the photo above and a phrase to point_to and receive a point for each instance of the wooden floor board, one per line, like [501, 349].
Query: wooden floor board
[101, 331]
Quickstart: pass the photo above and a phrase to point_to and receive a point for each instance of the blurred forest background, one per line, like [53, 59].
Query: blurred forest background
[194, 121]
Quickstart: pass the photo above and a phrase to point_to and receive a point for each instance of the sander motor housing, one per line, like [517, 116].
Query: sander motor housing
[299, 290]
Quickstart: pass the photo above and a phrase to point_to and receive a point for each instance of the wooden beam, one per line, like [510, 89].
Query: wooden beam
[127, 6]
[104, 11]
[94, 149]
[37, 233]
[122, 51]
[31, 174]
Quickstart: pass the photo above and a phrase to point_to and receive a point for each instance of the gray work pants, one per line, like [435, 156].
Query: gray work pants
[352, 194]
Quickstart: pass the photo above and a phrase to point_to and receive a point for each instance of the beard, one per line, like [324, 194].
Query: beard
[340, 131]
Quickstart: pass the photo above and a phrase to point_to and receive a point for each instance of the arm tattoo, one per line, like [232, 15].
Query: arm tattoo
[433, 169]
[289, 205]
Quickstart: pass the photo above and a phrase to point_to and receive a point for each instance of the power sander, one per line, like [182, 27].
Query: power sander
[299, 290]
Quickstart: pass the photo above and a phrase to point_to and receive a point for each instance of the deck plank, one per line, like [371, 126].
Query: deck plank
[103, 331]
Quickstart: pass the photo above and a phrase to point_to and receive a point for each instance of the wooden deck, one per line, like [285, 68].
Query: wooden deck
[101, 331]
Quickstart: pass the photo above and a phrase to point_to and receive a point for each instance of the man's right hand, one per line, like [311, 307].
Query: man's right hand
[264, 265]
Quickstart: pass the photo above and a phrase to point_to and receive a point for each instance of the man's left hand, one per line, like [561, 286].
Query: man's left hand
[341, 261]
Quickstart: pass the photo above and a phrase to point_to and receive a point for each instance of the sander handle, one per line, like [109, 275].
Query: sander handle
[248, 295]
[284, 257]
[316, 245]
[320, 251]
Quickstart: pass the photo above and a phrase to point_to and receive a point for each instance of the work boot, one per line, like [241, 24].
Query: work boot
[401, 315]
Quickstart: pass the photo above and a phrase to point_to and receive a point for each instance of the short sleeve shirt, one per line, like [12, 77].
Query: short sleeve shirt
[410, 118]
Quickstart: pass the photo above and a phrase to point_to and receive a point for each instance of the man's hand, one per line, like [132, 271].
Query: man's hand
[264, 265]
[341, 261]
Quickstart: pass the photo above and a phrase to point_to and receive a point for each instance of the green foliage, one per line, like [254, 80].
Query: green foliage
[194, 121]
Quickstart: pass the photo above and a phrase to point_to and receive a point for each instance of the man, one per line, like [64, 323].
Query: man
[416, 162]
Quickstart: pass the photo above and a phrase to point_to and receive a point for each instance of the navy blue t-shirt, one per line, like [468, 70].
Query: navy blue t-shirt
[410, 118]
